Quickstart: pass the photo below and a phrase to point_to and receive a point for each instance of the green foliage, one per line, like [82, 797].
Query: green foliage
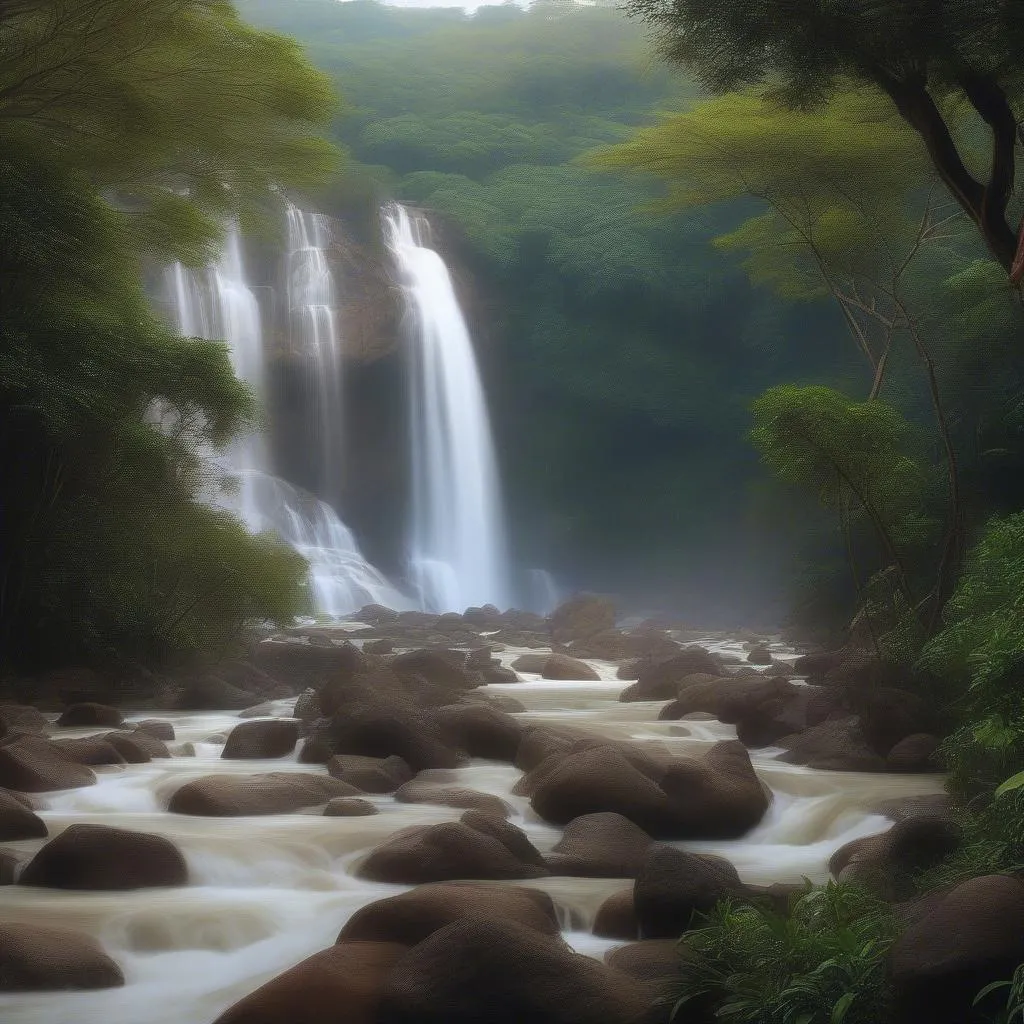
[824, 963]
[118, 151]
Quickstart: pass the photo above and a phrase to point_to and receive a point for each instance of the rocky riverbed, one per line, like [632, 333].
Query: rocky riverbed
[431, 830]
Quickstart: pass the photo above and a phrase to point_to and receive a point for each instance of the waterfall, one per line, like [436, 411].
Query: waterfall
[313, 331]
[219, 303]
[457, 542]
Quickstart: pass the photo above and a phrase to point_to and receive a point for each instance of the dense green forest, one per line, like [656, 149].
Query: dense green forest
[622, 349]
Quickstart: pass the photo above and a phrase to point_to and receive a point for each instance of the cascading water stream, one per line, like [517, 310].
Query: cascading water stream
[457, 544]
[219, 303]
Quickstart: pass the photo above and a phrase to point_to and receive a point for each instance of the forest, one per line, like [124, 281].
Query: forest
[745, 279]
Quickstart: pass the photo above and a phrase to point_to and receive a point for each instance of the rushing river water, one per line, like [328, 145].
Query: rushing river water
[267, 892]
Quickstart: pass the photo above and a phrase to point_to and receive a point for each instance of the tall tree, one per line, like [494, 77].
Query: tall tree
[928, 56]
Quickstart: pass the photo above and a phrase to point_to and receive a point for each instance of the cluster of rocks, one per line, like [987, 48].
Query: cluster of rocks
[837, 716]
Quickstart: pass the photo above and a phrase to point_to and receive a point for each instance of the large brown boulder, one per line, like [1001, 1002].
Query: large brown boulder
[413, 916]
[580, 617]
[91, 714]
[100, 857]
[441, 853]
[834, 745]
[423, 791]
[717, 797]
[760, 655]
[648, 960]
[370, 774]
[225, 796]
[889, 715]
[514, 839]
[970, 937]
[731, 699]
[22, 718]
[137, 744]
[604, 845]
[784, 712]
[478, 729]
[156, 728]
[443, 668]
[539, 742]
[339, 985]
[38, 959]
[889, 862]
[915, 753]
[561, 666]
[531, 662]
[815, 666]
[616, 917]
[662, 678]
[31, 764]
[672, 885]
[18, 821]
[269, 738]
[349, 807]
[488, 972]
[211, 693]
[90, 750]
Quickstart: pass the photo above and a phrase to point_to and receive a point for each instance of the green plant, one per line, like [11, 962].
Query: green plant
[1014, 1007]
[821, 964]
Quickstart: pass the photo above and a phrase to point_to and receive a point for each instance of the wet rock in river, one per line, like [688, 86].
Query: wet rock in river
[271, 738]
[42, 959]
[217, 796]
[31, 764]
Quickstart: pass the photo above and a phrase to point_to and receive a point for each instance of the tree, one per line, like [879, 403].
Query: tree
[931, 58]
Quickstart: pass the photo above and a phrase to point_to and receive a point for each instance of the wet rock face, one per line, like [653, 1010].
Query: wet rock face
[102, 858]
[580, 617]
[967, 939]
[31, 764]
[40, 959]
[485, 972]
[262, 739]
[414, 916]
[718, 796]
[18, 821]
[438, 853]
[221, 796]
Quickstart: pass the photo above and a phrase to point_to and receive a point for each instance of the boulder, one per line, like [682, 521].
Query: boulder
[835, 745]
[132, 748]
[413, 916]
[561, 666]
[420, 791]
[98, 857]
[531, 662]
[760, 655]
[717, 797]
[970, 937]
[815, 666]
[887, 863]
[661, 678]
[31, 764]
[307, 707]
[580, 617]
[90, 750]
[370, 774]
[499, 972]
[267, 738]
[376, 615]
[349, 807]
[650, 960]
[339, 985]
[39, 959]
[497, 675]
[478, 729]
[89, 714]
[211, 693]
[22, 718]
[512, 838]
[18, 821]
[603, 845]
[539, 742]
[446, 669]
[440, 853]
[224, 796]
[914, 753]
[135, 743]
[616, 917]
[672, 885]
[158, 729]
[785, 712]
[889, 715]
